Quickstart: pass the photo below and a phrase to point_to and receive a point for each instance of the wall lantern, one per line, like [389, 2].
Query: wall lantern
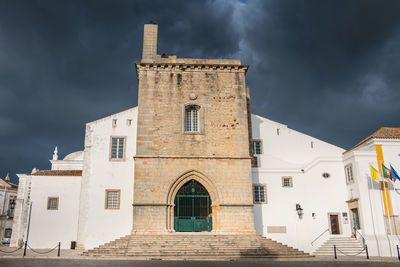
[299, 210]
[12, 204]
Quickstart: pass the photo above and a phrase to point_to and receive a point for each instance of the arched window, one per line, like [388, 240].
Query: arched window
[192, 118]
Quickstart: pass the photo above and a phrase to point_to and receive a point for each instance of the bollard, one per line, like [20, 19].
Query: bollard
[366, 251]
[334, 249]
[26, 243]
[59, 245]
[398, 253]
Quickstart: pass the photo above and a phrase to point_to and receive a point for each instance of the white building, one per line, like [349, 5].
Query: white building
[372, 210]
[68, 201]
[298, 169]
[8, 197]
[302, 196]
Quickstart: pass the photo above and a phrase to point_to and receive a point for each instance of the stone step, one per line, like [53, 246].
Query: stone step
[202, 257]
[342, 246]
[350, 246]
[192, 246]
[226, 252]
[205, 250]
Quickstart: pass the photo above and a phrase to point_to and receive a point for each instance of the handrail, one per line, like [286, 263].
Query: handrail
[355, 233]
[312, 242]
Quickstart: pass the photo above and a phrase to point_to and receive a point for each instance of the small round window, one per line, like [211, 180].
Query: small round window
[326, 175]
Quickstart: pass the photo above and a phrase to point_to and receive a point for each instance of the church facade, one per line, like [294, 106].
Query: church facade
[190, 158]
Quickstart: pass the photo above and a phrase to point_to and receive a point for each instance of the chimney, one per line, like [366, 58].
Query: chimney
[149, 42]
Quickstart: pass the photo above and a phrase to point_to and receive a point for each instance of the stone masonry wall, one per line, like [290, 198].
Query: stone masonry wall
[220, 152]
[222, 97]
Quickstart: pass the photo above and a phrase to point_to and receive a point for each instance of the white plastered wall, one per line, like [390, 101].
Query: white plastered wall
[291, 154]
[98, 225]
[48, 227]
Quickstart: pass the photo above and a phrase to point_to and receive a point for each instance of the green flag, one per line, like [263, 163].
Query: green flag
[386, 172]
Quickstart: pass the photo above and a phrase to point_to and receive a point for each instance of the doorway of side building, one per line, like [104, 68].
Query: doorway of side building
[334, 223]
[192, 211]
[355, 220]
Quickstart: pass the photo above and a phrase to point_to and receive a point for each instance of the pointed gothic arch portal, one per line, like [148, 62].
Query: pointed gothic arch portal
[192, 212]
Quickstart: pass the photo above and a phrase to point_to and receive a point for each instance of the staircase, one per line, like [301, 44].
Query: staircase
[194, 246]
[346, 245]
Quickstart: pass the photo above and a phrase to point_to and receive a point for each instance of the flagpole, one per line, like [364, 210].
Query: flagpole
[383, 210]
[389, 211]
[397, 235]
[372, 217]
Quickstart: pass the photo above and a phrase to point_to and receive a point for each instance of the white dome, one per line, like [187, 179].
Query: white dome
[77, 155]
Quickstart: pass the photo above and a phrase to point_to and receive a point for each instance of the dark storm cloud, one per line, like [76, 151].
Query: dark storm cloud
[328, 68]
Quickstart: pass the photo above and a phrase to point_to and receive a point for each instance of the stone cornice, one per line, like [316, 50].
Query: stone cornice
[188, 157]
[191, 67]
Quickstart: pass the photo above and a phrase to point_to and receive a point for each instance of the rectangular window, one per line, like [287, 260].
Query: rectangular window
[52, 203]
[112, 199]
[117, 148]
[257, 147]
[11, 206]
[254, 162]
[259, 194]
[287, 181]
[349, 174]
[191, 119]
[7, 233]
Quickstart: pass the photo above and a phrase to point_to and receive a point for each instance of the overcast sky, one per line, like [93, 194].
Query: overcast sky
[330, 69]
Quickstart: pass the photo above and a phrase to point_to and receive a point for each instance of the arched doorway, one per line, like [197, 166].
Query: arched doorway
[192, 212]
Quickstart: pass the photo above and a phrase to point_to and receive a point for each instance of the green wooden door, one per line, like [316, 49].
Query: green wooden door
[192, 208]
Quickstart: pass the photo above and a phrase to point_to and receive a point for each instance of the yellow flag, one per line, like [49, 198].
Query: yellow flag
[374, 173]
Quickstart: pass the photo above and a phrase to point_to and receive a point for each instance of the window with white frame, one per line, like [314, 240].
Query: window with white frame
[192, 118]
[349, 173]
[287, 181]
[259, 191]
[257, 147]
[117, 148]
[112, 199]
[52, 203]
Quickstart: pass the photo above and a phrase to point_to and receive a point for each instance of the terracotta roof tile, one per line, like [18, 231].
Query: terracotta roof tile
[11, 184]
[383, 132]
[58, 173]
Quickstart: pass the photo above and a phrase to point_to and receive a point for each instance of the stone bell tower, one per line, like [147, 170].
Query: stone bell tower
[193, 126]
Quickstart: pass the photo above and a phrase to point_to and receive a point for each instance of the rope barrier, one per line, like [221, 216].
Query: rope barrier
[38, 252]
[350, 254]
[9, 252]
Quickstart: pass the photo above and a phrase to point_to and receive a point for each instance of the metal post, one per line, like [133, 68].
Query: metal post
[398, 253]
[29, 222]
[25, 248]
[334, 249]
[366, 251]
[59, 245]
